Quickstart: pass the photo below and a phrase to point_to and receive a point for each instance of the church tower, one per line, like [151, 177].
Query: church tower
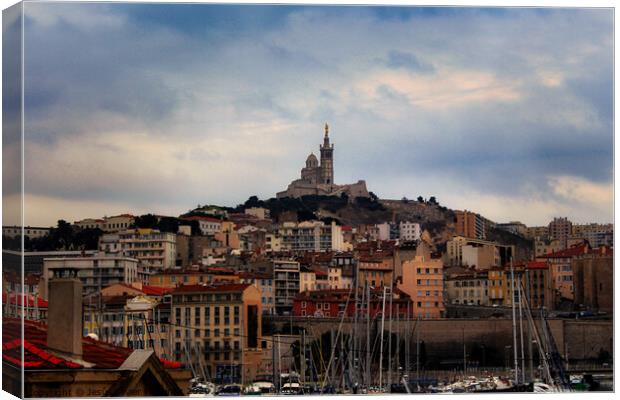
[327, 159]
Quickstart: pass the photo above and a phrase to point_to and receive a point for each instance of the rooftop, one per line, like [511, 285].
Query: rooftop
[38, 356]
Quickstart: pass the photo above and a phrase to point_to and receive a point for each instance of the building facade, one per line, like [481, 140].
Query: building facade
[155, 250]
[220, 327]
[95, 272]
[286, 282]
[470, 225]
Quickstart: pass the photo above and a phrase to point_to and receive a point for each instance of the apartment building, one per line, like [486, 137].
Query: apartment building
[264, 284]
[95, 272]
[273, 243]
[207, 225]
[561, 271]
[464, 251]
[32, 232]
[596, 234]
[286, 282]
[307, 279]
[468, 289]
[561, 229]
[220, 327]
[533, 232]
[90, 223]
[470, 225]
[336, 303]
[118, 223]
[155, 250]
[144, 326]
[376, 270]
[423, 281]
[311, 236]
[409, 231]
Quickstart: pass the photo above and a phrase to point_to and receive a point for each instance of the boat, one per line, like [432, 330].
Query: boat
[229, 390]
[292, 388]
[258, 388]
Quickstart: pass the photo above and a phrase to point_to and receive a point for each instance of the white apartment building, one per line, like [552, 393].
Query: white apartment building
[95, 272]
[31, 231]
[155, 250]
[89, 223]
[207, 225]
[409, 231]
[311, 236]
[117, 222]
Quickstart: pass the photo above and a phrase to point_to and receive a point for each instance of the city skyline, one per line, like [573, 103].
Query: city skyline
[157, 108]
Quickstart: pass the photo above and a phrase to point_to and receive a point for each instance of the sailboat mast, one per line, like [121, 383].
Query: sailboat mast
[368, 350]
[514, 320]
[389, 377]
[381, 345]
[521, 332]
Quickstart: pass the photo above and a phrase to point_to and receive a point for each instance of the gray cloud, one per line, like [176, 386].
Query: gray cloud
[127, 111]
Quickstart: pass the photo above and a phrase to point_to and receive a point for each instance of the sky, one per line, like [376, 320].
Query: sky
[160, 107]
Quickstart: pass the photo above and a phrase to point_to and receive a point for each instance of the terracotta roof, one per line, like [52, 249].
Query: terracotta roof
[536, 265]
[225, 287]
[29, 300]
[37, 356]
[155, 290]
[570, 252]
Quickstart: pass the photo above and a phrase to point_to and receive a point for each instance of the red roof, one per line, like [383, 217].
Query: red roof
[147, 290]
[224, 287]
[536, 265]
[570, 252]
[36, 354]
[14, 298]
[155, 290]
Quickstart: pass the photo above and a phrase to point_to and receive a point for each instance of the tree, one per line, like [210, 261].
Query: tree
[432, 200]
[62, 235]
[168, 224]
[420, 199]
[405, 200]
[146, 221]
[87, 239]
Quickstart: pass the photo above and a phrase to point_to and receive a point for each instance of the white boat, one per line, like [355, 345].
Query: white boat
[292, 388]
[259, 388]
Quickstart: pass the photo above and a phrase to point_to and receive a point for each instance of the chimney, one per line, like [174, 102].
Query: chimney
[64, 314]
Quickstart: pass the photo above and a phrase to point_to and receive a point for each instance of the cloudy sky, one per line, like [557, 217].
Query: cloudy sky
[157, 108]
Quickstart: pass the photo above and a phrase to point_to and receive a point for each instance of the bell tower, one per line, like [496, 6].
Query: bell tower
[327, 159]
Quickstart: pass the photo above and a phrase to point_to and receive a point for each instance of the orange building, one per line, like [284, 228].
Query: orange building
[561, 272]
[376, 270]
[423, 281]
[470, 225]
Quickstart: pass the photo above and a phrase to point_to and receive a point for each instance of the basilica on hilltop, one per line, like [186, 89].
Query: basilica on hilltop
[317, 178]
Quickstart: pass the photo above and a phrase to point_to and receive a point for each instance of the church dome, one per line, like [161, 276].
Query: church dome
[312, 161]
